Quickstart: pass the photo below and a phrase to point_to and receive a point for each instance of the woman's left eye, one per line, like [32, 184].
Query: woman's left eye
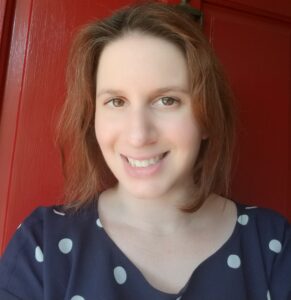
[115, 102]
[168, 101]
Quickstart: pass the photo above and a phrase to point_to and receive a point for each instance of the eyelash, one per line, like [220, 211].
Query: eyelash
[111, 101]
[173, 100]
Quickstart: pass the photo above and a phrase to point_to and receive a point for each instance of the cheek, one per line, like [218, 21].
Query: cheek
[185, 133]
[106, 131]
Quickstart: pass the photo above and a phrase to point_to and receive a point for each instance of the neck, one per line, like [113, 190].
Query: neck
[160, 215]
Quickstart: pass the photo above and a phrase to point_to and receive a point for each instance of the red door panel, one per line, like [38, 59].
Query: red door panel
[256, 54]
[271, 8]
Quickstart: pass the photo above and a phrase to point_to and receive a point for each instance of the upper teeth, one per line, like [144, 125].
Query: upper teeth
[144, 163]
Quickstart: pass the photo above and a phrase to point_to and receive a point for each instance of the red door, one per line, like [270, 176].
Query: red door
[252, 38]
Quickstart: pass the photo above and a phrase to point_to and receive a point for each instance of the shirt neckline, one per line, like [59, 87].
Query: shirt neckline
[165, 295]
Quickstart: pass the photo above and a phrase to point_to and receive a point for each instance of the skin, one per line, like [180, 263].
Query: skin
[136, 76]
[144, 109]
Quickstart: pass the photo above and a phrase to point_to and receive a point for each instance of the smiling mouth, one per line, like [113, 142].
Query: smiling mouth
[145, 162]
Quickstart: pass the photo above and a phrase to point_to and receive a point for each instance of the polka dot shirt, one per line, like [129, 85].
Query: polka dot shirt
[56, 255]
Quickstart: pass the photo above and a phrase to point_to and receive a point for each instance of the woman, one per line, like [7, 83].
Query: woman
[149, 126]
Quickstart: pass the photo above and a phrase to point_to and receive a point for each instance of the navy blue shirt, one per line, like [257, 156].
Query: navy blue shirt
[57, 255]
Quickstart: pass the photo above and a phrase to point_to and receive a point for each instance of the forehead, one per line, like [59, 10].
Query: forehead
[138, 59]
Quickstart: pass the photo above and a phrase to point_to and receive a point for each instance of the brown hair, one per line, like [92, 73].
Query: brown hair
[86, 172]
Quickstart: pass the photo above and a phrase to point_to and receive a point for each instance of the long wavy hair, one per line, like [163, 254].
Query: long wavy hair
[85, 170]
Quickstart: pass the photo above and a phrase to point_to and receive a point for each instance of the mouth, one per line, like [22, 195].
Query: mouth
[144, 163]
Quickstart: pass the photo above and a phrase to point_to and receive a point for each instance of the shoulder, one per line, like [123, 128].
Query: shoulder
[266, 240]
[57, 215]
[262, 216]
[46, 222]
[39, 246]
[264, 228]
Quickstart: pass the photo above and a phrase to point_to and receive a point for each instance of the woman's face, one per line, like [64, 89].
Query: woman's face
[144, 121]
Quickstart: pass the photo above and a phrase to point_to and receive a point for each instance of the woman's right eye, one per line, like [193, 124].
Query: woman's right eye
[116, 102]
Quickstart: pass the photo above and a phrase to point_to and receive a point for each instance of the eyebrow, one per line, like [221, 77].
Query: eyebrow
[157, 91]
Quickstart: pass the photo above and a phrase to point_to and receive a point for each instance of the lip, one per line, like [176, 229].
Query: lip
[144, 172]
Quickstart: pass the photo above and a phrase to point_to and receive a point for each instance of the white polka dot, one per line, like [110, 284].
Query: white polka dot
[119, 275]
[58, 212]
[233, 261]
[243, 219]
[275, 246]
[268, 296]
[19, 226]
[77, 297]
[99, 224]
[38, 254]
[65, 245]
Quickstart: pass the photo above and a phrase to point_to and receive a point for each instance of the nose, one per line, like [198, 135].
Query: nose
[141, 128]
